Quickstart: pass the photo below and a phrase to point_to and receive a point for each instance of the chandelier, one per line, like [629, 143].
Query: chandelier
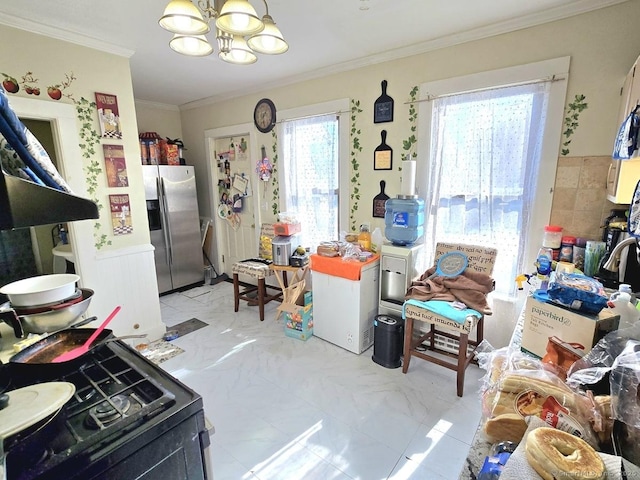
[240, 33]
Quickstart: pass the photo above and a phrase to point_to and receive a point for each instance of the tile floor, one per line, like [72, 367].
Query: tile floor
[287, 409]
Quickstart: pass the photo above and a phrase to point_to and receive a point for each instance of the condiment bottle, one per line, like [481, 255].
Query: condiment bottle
[364, 238]
[578, 253]
[566, 249]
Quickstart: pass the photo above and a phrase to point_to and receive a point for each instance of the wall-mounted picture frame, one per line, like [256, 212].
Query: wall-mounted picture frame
[108, 115]
[383, 154]
[115, 166]
[383, 106]
[120, 214]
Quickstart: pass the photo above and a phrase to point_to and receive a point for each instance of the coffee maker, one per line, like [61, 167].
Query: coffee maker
[619, 265]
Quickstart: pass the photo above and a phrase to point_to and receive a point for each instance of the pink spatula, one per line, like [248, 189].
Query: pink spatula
[84, 348]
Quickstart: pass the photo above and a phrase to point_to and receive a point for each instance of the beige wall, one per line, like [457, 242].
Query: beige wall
[602, 44]
[162, 119]
[123, 272]
[50, 61]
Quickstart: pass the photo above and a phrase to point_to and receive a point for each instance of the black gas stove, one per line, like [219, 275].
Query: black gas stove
[128, 419]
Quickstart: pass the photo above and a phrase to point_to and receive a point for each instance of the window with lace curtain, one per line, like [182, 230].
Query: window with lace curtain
[485, 181]
[310, 150]
[488, 143]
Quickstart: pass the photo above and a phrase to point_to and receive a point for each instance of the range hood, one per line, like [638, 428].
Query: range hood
[26, 204]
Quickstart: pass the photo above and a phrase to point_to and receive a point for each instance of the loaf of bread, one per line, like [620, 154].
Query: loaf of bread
[540, 394]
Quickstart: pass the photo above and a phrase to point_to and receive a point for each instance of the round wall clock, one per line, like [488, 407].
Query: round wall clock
[264, 115]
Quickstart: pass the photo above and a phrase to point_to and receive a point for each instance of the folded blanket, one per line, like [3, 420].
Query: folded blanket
[28, 148]
[470, 288]
[444, 309]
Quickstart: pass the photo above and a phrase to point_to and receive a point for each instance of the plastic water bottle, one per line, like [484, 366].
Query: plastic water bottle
[624, 287]
[376, 240]
[621, 305]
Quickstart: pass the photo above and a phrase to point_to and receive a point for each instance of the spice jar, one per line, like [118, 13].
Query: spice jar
[566, 249]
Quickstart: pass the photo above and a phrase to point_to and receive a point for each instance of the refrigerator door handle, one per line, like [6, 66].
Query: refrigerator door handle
[165, 227]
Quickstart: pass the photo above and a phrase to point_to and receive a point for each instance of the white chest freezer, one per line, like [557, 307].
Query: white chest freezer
[344, 309]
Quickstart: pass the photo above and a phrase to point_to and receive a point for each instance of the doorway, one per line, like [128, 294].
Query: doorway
[28, 252]
[235, 194]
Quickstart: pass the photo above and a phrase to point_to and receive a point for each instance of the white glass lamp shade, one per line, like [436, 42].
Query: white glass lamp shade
[191, 45]
[269, 40]
[182, 16]
[239, 17]
[239, 53]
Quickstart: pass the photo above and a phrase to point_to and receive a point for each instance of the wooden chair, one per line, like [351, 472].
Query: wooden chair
[481, 259]
[258, 272]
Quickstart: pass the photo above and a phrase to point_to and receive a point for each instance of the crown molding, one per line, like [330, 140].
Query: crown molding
[64, 35]
[156, 105]
[527, 21]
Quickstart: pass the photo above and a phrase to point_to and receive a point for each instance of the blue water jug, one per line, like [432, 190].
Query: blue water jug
[404, 219]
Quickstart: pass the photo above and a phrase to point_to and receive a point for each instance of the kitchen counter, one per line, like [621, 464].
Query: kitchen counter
[479, 445]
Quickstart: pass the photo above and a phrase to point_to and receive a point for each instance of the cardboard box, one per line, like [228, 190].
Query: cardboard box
[545, 320]
[298, 317]
[286, 229]
[169, 154]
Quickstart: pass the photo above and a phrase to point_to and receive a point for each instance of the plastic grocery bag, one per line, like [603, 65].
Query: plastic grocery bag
[618, 355]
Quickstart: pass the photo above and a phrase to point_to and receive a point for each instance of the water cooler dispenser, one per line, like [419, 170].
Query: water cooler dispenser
[398, 266]
[400, 262]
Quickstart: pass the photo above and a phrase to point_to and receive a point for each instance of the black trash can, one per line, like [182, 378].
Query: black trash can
[388, 340]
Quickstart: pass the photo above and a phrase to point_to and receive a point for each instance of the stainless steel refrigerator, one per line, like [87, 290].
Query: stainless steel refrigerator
[174, 223]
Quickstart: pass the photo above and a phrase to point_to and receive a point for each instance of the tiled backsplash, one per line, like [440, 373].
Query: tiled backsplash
[580, 202]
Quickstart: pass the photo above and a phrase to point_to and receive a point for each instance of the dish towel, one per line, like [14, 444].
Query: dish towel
[518, 468]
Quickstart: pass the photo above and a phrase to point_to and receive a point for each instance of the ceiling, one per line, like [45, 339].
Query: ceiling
[324, 36]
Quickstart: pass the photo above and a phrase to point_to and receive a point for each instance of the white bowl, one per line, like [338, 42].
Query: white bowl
[41, 290]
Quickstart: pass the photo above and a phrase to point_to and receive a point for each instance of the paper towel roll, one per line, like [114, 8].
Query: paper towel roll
[408, 186]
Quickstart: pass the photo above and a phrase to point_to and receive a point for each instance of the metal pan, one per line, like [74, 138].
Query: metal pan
[59, 317]
[34, 361]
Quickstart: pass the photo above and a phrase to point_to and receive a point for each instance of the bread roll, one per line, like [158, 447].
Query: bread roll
[555, 454]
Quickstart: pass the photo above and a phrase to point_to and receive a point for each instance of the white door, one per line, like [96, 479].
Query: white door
[234, 195]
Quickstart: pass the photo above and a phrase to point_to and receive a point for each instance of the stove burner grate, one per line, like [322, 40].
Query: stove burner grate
[108, 411]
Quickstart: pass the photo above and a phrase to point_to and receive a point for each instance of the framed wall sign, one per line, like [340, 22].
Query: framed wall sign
[108, 115]
[383, 106]
[383, 154]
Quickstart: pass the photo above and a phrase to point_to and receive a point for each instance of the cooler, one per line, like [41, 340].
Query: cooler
[345, 301]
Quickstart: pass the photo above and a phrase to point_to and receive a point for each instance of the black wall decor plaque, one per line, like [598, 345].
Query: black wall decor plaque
[383, 154]
[379, 201]
[383, 106]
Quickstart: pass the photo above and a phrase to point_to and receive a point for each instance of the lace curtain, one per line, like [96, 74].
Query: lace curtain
[483, 168]
[310, 168]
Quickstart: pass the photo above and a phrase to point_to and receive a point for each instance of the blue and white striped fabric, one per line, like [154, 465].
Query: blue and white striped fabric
[18, 139]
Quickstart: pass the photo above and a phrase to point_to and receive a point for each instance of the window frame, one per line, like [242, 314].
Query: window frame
[340, 108]
[556, 69]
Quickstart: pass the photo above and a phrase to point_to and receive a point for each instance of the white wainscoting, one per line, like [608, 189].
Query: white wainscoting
[125, 277]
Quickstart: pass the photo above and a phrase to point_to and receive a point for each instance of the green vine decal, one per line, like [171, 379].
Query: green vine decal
[356, 148]
[571, 120]
[408, 144]
[274, 174]
[89, 138]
